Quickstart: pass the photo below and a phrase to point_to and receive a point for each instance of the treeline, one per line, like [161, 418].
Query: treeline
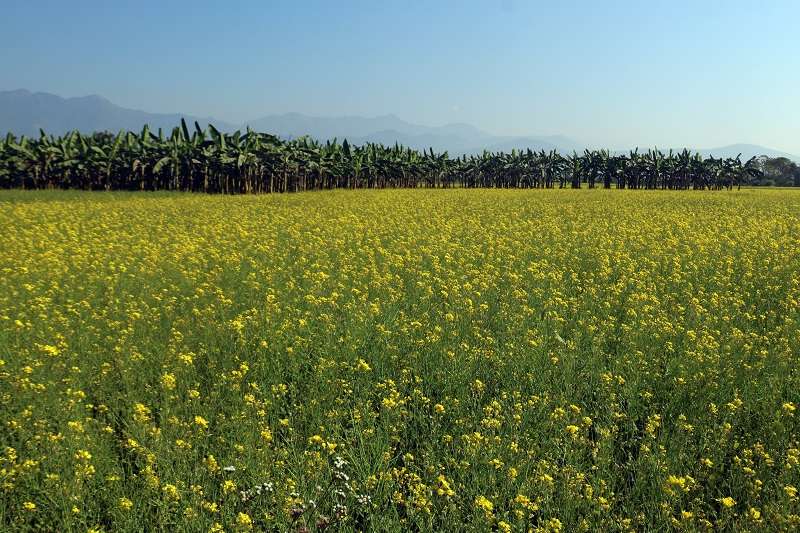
[777, 171]
[207, 160]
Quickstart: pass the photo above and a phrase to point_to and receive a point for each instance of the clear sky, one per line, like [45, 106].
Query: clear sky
[610, 73]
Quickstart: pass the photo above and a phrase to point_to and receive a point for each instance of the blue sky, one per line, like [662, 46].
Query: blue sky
[610, 73]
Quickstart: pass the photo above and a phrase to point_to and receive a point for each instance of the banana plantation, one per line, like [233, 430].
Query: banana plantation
[207, 160]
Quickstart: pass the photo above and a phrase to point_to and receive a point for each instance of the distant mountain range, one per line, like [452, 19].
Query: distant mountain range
[456, 138]
[24, 113]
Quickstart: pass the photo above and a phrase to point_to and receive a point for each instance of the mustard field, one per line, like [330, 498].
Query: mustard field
[403, 360]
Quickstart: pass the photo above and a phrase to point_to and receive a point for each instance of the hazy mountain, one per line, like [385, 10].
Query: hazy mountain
[732, 150]
[456, 138]
[296, 125]
[23, 113]
[747, 151]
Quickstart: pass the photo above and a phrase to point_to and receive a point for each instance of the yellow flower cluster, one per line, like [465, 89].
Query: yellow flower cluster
[439, 360]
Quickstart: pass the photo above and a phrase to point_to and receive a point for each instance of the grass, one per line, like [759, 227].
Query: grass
[457, 360]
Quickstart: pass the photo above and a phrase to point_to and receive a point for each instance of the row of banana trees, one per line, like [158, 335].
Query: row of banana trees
[207, 160]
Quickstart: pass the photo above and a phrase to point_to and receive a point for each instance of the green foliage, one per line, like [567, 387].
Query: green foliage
[778, 171]
[215, 162]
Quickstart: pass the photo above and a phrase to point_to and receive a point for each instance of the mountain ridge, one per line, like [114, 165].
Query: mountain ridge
[24, 112]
